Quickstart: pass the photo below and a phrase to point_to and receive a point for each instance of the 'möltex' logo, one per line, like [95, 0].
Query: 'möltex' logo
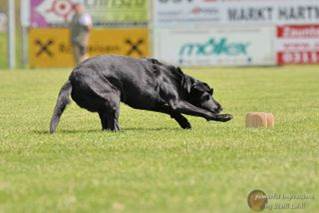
[214, 47]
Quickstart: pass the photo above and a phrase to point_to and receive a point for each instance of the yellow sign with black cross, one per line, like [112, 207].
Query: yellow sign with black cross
[51, 47]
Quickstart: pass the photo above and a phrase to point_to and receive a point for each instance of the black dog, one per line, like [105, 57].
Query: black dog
[99, 85]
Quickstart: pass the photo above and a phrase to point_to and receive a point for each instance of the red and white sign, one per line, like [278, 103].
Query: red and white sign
[298, 44]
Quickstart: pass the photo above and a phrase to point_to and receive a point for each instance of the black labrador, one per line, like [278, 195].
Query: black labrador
[99, 84]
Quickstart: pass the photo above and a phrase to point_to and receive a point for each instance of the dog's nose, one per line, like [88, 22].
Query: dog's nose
[218, 110]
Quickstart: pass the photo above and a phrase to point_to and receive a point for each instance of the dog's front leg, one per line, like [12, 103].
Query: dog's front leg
[181, 120]
[222, 117]
[189, 109]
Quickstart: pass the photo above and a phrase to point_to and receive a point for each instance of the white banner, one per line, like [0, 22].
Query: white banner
[222, 46]
[172, 13]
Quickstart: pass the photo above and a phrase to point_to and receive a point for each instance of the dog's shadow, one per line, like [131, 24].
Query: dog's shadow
[129, 129]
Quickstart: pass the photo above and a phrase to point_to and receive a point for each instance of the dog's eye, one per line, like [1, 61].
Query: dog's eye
[206, 97]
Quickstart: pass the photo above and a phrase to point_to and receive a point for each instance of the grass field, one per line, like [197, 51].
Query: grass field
[152, 165]
[3, 50]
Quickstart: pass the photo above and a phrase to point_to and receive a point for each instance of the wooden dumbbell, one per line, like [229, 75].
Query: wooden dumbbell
[260, 119]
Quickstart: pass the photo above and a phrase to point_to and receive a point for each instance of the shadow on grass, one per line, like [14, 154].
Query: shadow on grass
[130, 129]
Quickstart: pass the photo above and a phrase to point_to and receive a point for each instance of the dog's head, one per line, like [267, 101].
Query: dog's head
[199, 93]
[196, 92]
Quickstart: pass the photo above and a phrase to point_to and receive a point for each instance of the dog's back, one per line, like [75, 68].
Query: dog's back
[136, 81]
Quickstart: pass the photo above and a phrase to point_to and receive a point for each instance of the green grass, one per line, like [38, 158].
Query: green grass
[3, 50]
[152, 165]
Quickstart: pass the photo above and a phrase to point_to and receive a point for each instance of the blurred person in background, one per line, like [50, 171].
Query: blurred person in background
[3, 22]
[80, 27]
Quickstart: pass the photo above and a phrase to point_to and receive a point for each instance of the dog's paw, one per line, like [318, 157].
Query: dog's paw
[224, 117]
[186, 125]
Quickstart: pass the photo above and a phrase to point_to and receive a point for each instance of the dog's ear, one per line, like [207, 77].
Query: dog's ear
[201, 87]
[179, 70]
[211, 91]
[197, 89]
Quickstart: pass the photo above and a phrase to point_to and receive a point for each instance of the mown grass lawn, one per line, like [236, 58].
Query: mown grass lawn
[3, 50]
[152, 165]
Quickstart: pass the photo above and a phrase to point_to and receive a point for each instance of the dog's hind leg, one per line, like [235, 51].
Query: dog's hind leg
[103, 118]
[109, 120]
[107, 104]
[110, 115]
[112, 120]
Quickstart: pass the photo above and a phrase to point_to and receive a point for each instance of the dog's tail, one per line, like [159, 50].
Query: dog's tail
[62, 102]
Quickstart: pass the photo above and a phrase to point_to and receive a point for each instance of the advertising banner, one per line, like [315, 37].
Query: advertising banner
[44, 13]
[220, 46]
[50, 47]
[172, 13]
[271, 11]
[297, 44]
